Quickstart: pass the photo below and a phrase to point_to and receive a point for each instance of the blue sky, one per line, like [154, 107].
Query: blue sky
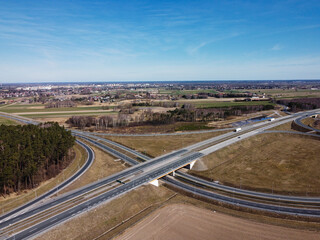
[50, 41]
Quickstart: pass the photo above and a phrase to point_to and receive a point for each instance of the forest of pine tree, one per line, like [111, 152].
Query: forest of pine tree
[30, 154]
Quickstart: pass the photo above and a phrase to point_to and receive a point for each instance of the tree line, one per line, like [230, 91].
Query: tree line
[187, 113]
[301, 103]
[61, 104]
[30, 154]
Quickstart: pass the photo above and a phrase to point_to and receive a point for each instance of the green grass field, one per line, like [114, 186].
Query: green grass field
[232, 91]
[228, 104]
[294, 97]
[16, 109]
[45, 115]
[23, 105]
[287, 93]
[281, 90]
[7, 121]
[192, 126]
[185, 92]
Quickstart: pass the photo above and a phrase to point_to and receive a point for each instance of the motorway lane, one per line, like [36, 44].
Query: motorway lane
[138, 154]
[243, 203]
[248, 193]
[87, 164]
[254, 131]
[112, 151]
[19, 119]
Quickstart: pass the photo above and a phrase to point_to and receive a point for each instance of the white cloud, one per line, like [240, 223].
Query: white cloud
[276, 47]
[193, 50]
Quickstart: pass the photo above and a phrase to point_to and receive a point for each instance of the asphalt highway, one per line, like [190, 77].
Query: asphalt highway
[83, 133]
[112, 151]
[19, 119]
[243, 203]
[275, 197]
[298, 122]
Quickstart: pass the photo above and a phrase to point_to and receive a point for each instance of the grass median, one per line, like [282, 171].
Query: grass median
[158, 145]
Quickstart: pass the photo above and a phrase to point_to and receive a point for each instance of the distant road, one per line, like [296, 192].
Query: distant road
[66, 112]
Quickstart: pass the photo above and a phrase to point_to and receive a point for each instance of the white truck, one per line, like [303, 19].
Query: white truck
[237, 130]
[271, 119]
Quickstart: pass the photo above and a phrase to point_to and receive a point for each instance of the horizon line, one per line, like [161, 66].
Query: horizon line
[162, 81]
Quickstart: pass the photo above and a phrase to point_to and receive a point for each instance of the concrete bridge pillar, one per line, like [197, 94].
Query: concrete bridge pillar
[155, 183]
[192, 164]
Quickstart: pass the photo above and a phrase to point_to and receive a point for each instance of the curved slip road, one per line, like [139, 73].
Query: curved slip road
[243, 203]
[274, 197]
[298, 122]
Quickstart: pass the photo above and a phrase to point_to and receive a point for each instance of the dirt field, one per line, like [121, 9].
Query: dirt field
[286, 163]
[284, 127]
[60, 120]
[179, 221]
[159, 145]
